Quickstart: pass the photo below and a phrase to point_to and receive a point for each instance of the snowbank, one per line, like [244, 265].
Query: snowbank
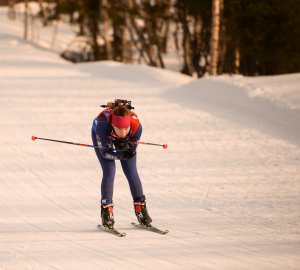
[273, 107]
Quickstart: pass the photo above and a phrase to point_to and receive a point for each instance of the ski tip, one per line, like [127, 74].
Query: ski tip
[33, 138]
[121, 234]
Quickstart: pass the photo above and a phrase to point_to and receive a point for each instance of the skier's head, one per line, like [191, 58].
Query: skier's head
[121, 120]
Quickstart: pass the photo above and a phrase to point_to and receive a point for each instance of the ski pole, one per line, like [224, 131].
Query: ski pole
[165, 146]
[51, 140]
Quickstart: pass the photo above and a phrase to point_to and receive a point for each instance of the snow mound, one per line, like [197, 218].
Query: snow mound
[111, 70]
[282, 90]
[236, 101]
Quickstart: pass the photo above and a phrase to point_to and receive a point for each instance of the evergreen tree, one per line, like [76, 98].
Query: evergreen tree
[266, 33]
[257, 37]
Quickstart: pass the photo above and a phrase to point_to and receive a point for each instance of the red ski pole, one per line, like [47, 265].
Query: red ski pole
[165, 146]
[51, 140]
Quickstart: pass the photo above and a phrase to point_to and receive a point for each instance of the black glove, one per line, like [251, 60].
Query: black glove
[127, 154]
[120, 144]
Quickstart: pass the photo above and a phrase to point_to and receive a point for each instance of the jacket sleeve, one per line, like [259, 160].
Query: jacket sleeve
[133, 143]
[102, 131]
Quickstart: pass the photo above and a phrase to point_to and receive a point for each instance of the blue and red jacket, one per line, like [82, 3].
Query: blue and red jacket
[110, 145]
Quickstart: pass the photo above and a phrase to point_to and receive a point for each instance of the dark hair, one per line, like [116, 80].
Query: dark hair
[121, 111]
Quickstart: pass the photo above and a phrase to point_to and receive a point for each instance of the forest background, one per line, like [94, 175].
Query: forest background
[209, 36]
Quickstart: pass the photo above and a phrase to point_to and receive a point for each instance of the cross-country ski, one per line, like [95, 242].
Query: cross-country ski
[111, 231]
[149, 228]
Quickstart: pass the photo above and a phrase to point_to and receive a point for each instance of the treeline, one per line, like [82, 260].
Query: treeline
[123, 30]
[264, 35]
[257, 37]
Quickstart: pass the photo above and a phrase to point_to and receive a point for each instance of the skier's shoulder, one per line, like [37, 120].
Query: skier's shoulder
[102, 124]
[136, 128]
[135, 122]
[105, 115]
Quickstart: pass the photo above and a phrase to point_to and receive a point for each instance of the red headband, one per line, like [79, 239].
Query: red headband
[121, 121]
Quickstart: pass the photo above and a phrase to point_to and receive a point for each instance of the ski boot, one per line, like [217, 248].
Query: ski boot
[142, 213]
[107, 216]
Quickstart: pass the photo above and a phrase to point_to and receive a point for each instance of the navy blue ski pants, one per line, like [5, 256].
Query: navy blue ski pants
[109, 171]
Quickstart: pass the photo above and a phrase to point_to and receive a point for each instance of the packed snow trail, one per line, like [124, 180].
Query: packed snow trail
[228, 193]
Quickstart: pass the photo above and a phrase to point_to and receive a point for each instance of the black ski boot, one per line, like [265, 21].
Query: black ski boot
[142, 213]
[107, 215]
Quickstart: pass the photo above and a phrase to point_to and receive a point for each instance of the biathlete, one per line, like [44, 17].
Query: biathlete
[116, 132]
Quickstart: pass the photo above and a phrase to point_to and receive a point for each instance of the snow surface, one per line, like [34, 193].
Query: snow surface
[227, 187]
